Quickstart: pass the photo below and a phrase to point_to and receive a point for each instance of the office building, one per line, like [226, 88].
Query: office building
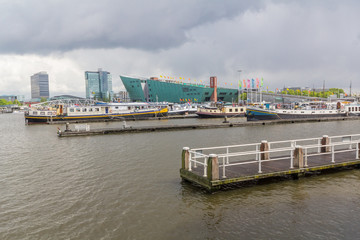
[98, 85]
[40, 85]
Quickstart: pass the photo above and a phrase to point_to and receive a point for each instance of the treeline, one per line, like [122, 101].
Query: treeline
[332, 91]
[4, 102]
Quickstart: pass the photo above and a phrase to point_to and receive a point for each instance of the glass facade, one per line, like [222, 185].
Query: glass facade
[170, 91]
[40, 85]
[98, 85]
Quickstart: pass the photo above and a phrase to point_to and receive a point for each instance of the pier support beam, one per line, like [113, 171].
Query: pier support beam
[263, 148]
[325, 141]
[185, 158]
[298, 157]
[213, 167]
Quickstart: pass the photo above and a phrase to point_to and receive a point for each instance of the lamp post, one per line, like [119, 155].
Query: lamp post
[239, 96]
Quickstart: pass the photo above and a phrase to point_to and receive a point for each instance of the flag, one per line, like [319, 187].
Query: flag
[252, 83]
[257, 82]
[262, 82]
[244, 82]
[248, 83]
[240, 84]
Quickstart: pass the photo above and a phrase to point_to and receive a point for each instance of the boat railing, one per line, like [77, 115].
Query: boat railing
[247, 154]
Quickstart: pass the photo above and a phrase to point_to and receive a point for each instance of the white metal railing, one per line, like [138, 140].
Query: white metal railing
[228, 157]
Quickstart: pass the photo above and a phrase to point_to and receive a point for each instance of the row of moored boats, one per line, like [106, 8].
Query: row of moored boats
[87, 111]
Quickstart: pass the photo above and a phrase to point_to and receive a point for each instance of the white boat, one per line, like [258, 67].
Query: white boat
[221, 111]
[293, 111]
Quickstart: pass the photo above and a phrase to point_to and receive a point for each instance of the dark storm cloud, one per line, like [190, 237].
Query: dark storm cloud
[37, 26]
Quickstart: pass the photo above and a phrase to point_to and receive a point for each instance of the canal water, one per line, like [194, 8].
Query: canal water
[128, 187]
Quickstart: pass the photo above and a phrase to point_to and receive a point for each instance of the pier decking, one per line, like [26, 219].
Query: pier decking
[217, 167]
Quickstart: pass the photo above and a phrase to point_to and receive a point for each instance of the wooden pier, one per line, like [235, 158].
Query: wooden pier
[133, 129]
[230, 166]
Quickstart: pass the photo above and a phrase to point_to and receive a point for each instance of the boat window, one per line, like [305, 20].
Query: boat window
[129, 108]
[116, 107]
[312, 112]
[34, 113]
[241, 109]
[356, 108]
[49, 113]
[84, 110]
[90, 109]
[97, 109]
[236, 110]
[71, 110]
[42, 113]
[352, 108]
[230, 110]
[302, 111]
[78, 110]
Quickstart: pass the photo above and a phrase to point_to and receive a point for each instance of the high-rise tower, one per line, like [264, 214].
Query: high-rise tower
[98, 84]
[40, 85]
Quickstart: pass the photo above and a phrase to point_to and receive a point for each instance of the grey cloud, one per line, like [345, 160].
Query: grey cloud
[38, 26]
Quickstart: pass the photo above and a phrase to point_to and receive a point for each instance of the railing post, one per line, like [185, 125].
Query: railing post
[306, 158]
[325, 141]
[332, 153]
[205, 166]
[298, 157]
[260, 166]
[291, 159]
[257, 151]
[227, 155]
[350, 147]
[319, 143]
[185, 158]
[264, 147]
[190, 162]
[224, 176]
[357, 150]
[213, 167]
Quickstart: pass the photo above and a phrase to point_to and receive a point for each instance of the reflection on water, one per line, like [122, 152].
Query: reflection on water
[127, 186]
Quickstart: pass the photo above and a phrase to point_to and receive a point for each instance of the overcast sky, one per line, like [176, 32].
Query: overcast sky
[288, 43]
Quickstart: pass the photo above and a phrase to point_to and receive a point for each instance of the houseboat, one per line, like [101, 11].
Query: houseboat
[77, 110]
[296, 111]
[221, 111]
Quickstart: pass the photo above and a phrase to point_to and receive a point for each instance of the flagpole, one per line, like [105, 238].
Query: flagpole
[239, 71]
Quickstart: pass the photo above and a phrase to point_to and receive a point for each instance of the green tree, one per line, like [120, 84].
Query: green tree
[291, 92]
[3, 102]
[43, 99]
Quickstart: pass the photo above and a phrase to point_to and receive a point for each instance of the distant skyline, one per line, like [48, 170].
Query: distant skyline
[288, 43]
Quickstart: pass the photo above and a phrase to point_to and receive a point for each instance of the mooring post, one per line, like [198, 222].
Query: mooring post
[357, 150]
[185, 158]
[213, 167]
[264, 147]
[325, 142]
[298, 157]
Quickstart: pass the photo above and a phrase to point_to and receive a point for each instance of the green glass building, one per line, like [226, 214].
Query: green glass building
[155, 90]
[98, 85]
